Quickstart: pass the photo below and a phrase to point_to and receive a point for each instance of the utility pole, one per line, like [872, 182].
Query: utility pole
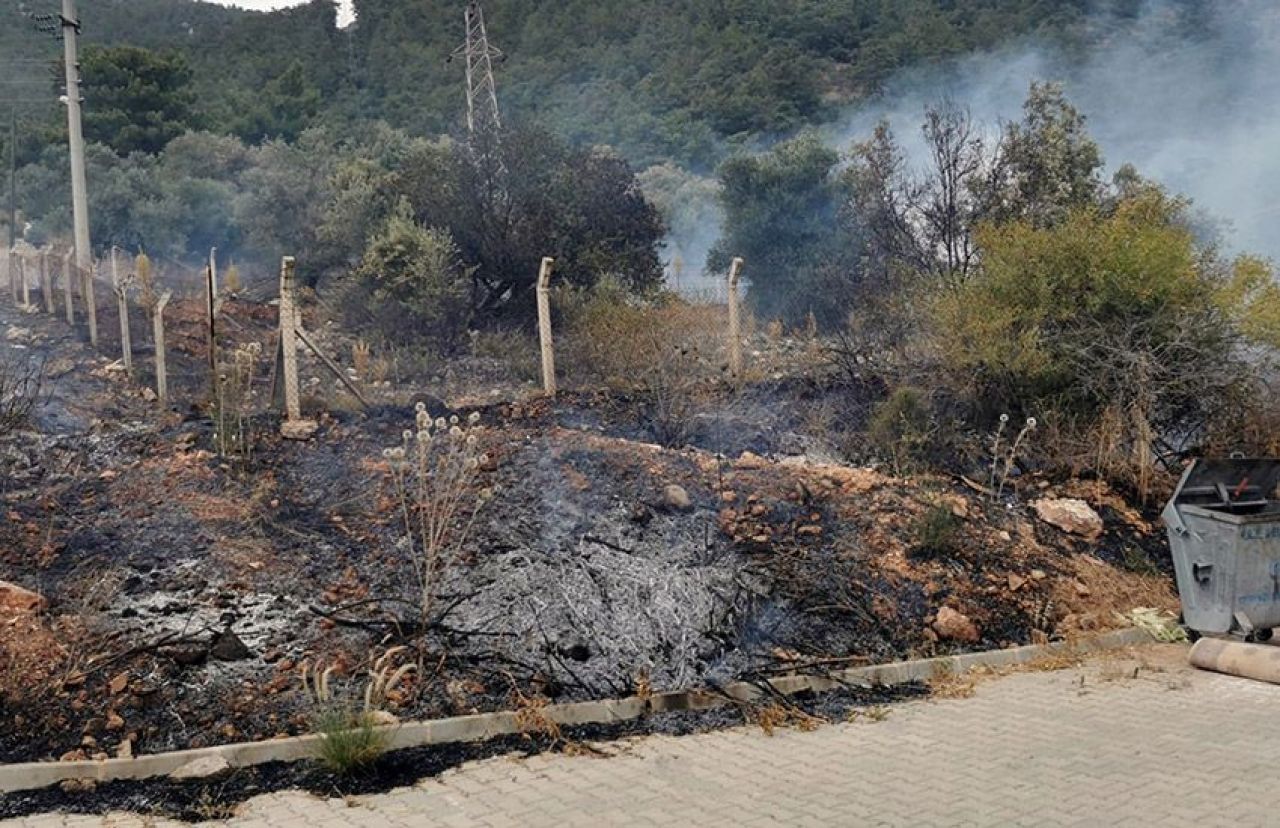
[482, 92]
[79, 185]
[67, 27]
[13, 177]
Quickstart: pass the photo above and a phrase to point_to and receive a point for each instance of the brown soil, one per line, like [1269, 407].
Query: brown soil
[582, 580]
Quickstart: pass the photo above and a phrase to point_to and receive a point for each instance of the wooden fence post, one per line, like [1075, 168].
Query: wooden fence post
[121, 288]
[294, 427]
[46, 282]
[211, 329]
[68, 276]
[735, 324]
[544, 327]
[157, 324]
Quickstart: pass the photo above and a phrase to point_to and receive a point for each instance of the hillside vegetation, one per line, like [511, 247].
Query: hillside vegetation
[659, 79]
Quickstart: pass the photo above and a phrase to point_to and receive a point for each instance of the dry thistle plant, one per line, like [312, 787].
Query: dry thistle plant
[1002, 464]
[234, 404]
[434, 473]
[360, 353]
[147, 295]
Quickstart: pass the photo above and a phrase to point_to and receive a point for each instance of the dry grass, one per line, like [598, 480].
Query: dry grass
[669, 352]
[1100, 594]
[776, 715]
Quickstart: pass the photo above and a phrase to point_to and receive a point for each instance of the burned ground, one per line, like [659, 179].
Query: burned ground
[605, 565]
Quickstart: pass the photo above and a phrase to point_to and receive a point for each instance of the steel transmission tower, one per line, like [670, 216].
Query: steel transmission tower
[482, 92]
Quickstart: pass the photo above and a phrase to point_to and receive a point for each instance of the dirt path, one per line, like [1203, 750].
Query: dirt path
[1132, 739]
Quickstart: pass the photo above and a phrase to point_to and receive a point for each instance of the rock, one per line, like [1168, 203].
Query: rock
[229, 647]
[187, 655]
[675, 497]
[1070, 515]
[16, 599]
[71, 786]
[114, 721]
[201, 768]
[299, 429]
[125, 751]
[383, 717]
[953, 625]
[1016, 582]
[750, 460]
[148, 394]
[1039, 574]
[119, 683]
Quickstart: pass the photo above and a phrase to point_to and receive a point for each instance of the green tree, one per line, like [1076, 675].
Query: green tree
[782, 213]
[583, 207]
[1051, 165]
[416, 274]
[136, 100]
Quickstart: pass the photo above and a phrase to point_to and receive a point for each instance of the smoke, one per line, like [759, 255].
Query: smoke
[1185, 91]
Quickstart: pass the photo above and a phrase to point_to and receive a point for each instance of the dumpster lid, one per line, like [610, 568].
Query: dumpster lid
[1228, 483]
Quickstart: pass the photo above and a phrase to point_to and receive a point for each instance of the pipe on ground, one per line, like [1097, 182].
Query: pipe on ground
[1235, 658]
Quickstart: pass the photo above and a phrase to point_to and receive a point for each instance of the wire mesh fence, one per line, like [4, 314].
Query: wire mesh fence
[137, 288]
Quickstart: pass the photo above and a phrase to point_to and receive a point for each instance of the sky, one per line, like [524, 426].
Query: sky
[345, 12]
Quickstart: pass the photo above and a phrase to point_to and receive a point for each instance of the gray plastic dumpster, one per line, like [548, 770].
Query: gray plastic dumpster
[1224, 531]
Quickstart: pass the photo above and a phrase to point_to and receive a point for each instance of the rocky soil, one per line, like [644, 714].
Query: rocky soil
[186, 589]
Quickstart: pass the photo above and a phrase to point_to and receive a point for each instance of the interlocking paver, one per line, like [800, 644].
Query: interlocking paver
[1074, 747]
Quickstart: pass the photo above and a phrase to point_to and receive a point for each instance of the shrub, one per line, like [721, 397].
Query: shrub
[902, 426]
[663, 349]
[20, 384]
[1113, 321]
[352, 737]
[415, 275]
[936, 532]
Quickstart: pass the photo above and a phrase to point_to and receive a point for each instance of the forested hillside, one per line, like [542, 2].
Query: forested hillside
[658, 79]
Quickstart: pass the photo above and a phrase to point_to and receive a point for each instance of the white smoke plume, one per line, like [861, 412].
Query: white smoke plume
[1188, 92]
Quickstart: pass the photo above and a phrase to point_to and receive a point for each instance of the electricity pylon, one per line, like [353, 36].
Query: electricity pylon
[482, 92]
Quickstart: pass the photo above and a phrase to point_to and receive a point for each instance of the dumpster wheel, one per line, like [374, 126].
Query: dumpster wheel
[1259, 636]
[1192, 635]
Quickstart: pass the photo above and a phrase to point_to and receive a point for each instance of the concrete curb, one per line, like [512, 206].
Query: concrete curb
[33, 775]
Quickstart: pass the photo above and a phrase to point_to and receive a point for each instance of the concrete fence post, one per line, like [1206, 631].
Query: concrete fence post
[8, 274]
[213, 271]
[91, 300]
[157, 325]
[22, 276]
[68, 276]
[46, 282]
[544, 327]
[120, 285]
[735, 323]
[294, 426]
[289, 341]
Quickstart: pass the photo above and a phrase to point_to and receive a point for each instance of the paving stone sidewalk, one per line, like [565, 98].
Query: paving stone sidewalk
[1092, 745]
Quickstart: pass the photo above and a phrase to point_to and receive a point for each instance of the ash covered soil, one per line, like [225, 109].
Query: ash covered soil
[185, 591]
